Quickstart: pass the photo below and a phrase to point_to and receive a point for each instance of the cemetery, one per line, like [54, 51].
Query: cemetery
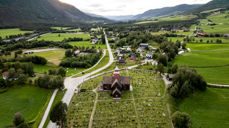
[143, 106]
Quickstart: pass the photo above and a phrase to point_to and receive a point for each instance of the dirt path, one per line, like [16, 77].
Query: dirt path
[94, 108]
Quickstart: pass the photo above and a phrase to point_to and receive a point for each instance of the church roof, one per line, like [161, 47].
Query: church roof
[122, 80]
[116, 90]
[116, 82]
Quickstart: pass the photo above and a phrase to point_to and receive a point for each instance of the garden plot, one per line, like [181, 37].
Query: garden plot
[143, 107]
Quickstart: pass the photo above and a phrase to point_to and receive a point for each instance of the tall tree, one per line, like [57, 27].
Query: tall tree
[58, 113]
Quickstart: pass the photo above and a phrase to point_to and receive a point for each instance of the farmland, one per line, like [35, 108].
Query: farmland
[87, 44]
[27, 99]
[208, 63]
[143, 107]
[8, 32]
[54, 56]
[208, 109]
[61, 28]
[62, 36]
[221, 21]
[172, 18]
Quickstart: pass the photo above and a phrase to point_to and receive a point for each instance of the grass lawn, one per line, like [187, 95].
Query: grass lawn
[210, 64]
[205, 39]
[27, 99]
[207, 46]
[86, 44]
[8, 32]
[208, 109]
[52, 56]
[56, 37]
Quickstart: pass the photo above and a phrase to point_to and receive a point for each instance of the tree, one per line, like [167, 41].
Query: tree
[58, 113]
[181, 120]
[163, 59]
[18, 119]
[174, 68]
[160, 68]
[183, 45]
[185, 82]
[68, 53]
[62, 72]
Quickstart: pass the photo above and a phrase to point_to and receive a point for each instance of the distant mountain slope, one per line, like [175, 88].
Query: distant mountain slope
[211, 5]
[120, 18]
[41, 11]
[167, 11]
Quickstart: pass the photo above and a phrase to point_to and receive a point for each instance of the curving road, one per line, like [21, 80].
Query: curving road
[71, 85]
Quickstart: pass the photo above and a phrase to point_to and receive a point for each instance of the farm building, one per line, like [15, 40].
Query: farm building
[116, 83]
[132, 56]
[94, 41]
[226, 35]
[144, 45]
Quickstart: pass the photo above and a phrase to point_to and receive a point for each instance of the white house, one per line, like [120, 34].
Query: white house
[149, 55]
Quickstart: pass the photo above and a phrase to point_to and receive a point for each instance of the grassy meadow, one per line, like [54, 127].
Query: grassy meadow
[212, 65]
[208, 109]
[62, 36]
[171, 18]
[53, 57]
[60, 28]
[14, 31]
[221, 21]
[87, 44]
[27, 99]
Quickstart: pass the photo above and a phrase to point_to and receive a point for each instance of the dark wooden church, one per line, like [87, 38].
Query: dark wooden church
[116, 83]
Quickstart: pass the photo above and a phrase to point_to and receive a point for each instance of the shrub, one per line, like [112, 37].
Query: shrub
[18, 119]
[181, 120]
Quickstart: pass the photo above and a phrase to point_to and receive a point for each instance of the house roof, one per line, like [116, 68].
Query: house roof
[5, 73]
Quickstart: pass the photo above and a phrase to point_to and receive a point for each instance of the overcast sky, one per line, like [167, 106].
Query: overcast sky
[126, 7]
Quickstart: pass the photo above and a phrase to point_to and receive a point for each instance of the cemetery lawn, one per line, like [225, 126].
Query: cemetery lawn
[212, 65]
[28, 100]
[56, 37]
[15, 31]
[208, 109]
[87, 44]
[145, 106]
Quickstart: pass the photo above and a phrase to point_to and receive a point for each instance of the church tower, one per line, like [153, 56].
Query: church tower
[116, 73]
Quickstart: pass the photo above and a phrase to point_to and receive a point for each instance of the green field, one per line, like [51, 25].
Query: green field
[145, 106]
[62, 36]
[53, 57]
[60, 28]
[207, 46]
[212, 65]
[221, 21]
[208, 109]
[204, 39]
[8, 32]
[74, 30]
[86, 44]
[27, 99]
[172, 18]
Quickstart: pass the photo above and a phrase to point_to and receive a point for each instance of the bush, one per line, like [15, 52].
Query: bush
[50, 82]
[185, 82]
[18, 119]
[181, 120]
